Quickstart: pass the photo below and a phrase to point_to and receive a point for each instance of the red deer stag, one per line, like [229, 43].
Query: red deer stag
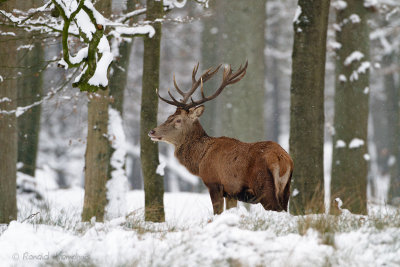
[250, 172]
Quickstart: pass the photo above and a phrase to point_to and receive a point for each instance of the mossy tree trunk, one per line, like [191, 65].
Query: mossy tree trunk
[307, 106]
[8, 125]
[350, 149]
[30, 90]
[153, 183]
[97, 147]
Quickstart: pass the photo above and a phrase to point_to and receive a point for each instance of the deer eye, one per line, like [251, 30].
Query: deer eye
[178, 120]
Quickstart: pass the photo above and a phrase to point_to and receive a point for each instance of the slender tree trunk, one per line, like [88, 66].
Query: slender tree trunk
[276, 114]
[307, 106]
[153, 183]
[118, 79]
[380, 133]
[29, 90]
[240, 34]
[393, 115]
[350, 149]
[241, 107]
[97, 147]
[211, 56]
[8, 126]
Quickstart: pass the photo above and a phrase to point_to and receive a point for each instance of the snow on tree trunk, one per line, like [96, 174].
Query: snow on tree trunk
[118, 77]
[97, 145]
[117, 186]
[350, 160]
[307, 106]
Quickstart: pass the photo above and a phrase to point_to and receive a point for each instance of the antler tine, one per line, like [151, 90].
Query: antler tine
[228, 77]
[177, 87]
[240, 72]
[195, 72]
[202, 89]
[195, 83]
[174, 102]
[172, 97]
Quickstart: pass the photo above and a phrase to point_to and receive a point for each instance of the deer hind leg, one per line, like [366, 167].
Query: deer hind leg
[217, 198]
[280, 183]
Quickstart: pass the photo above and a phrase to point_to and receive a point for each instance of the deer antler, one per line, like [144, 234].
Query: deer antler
[228, 78]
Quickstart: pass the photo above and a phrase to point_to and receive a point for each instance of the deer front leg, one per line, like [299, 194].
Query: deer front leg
[217, 199]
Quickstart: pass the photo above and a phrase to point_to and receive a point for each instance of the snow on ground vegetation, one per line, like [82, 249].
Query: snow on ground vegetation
[192, 236]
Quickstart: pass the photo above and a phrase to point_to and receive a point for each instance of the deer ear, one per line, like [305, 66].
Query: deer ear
[196, 112]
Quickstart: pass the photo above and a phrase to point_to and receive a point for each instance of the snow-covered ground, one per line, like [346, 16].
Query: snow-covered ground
[192, 236]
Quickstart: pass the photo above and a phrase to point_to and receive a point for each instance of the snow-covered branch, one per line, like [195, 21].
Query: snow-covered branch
[79, 19]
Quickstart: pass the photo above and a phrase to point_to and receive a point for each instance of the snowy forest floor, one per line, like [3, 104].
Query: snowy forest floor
[192, 236]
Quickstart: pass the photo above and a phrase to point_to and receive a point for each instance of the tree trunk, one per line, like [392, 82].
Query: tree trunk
[307, 106]
[97, 147]
[211, 57]
[241, 106]
[8, 126]
[276, 100]
[350, 149]
[153, 183]
[238, 112]
[118, 79]
[393, 115]
[96, 157]
[29, 91]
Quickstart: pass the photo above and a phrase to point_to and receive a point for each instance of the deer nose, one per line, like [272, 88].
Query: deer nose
[152, 132]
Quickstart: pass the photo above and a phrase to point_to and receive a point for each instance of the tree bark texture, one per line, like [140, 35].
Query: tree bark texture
[307, 106]
[118, 79]
[30, 90]
[8, 125]
[350, 147]
[97, 147]
[393, 116]
[241, 106]
[96, 157]
[153, 183]
[233, 34]
[211, 57]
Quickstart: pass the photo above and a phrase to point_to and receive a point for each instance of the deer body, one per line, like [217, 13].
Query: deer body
[250, 172]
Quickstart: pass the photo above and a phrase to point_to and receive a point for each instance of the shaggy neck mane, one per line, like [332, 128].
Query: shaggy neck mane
[192, 148]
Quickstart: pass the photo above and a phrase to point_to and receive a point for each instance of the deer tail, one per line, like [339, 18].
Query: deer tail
[281, 172]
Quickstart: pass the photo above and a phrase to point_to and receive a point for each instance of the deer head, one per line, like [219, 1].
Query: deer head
[184, 122]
